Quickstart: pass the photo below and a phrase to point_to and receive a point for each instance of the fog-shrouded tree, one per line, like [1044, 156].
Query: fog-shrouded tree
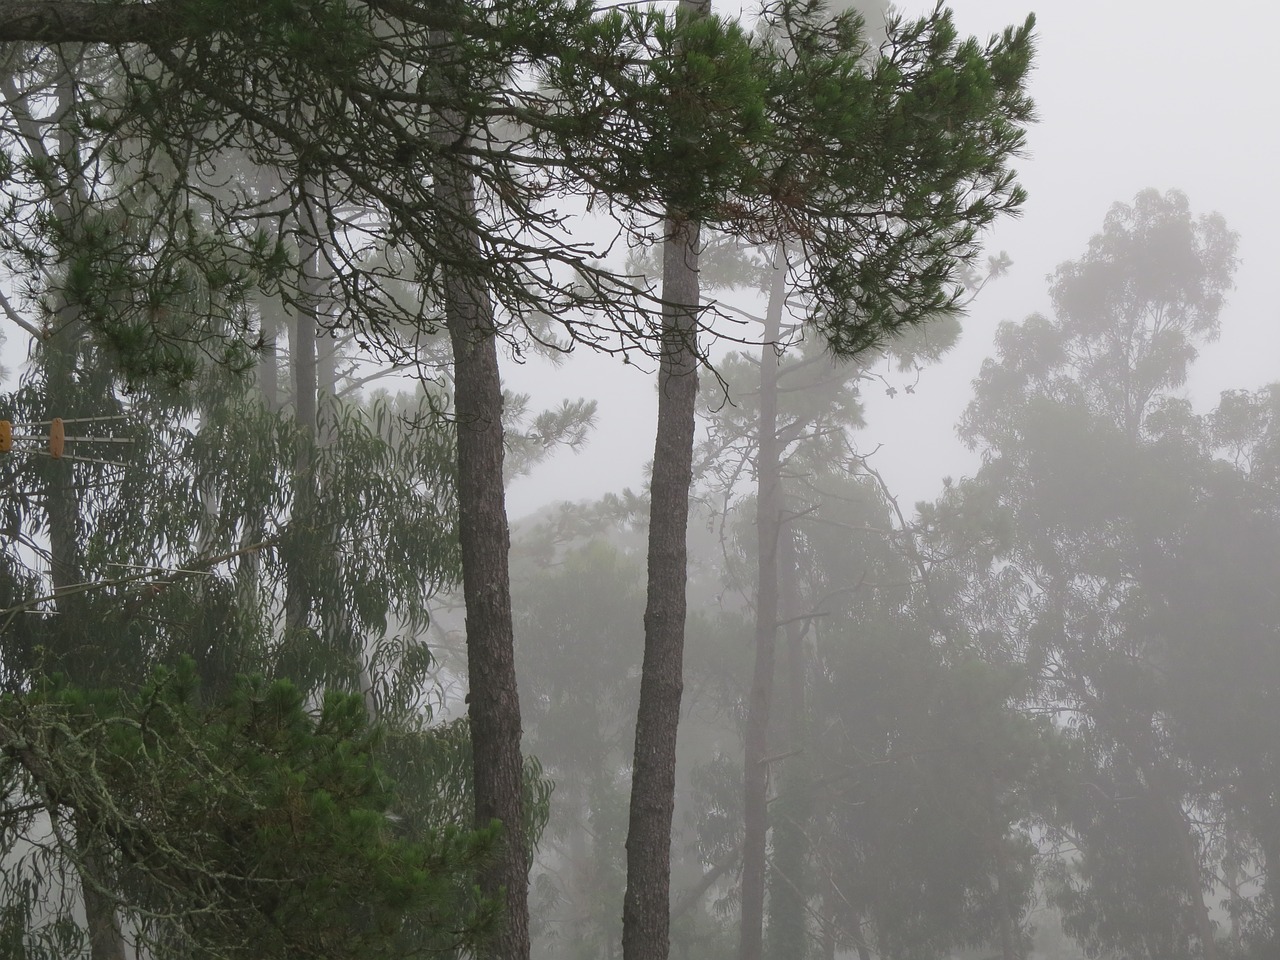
[1091, 453]
[774, 424]
[1216, 614]
[861, 279]
[302, 91]
[912, 797]
[194, 519]
[405, 132]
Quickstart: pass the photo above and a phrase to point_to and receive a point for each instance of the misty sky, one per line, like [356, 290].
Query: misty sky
[1130, 94]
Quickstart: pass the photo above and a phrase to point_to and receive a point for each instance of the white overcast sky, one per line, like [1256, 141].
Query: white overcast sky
[1130, 94]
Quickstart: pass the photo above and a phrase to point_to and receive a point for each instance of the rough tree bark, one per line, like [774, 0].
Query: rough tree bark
[493, 701]
[646, 907]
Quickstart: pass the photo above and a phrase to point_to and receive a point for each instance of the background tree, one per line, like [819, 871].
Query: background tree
[852, 269]
[1088, 449]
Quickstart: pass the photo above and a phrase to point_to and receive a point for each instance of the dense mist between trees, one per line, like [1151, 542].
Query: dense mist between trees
[305, 652]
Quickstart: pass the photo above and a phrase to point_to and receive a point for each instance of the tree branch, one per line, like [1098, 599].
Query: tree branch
[73, 21]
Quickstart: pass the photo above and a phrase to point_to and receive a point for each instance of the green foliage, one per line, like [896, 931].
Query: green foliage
[878, 169]
[253, 826]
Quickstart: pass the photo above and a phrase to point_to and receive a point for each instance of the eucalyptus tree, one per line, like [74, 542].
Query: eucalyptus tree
[1216, 613]
[1093, 455]
[900, 827]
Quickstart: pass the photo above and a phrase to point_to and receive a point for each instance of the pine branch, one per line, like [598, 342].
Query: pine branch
[68, 21]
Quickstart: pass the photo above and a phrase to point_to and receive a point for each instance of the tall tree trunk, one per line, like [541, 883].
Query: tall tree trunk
[268, 366]
[299, 578]
[493, 701]
[645, 913]
[314, 378]
[326, 366]
[755, 777]
[61, 355]
[1010, 935]
[789, 889]
[61, 350]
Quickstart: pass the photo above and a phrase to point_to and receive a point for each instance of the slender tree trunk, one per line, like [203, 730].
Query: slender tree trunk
[268, 366]
[789, 603]
[105, 939]
[314, 375]
[66, 570]
[755, 786]
[303, 350]
[645, 913]
[1010, 947]
[61, 352]
[299, 581]
[61, 348]
[493, 701]
[62, 500]
[789, 891]
[326, 365]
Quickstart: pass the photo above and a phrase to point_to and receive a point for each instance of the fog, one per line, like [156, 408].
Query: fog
[975, 653]
[1129, 96]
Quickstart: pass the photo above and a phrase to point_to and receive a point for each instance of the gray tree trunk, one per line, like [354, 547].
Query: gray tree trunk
[755, 787]
[789, 889]
[646, 906]
[61, 352]
[299, 582]
[493, 700]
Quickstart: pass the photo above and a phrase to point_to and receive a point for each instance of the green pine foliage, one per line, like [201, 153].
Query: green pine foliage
[251, 826]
